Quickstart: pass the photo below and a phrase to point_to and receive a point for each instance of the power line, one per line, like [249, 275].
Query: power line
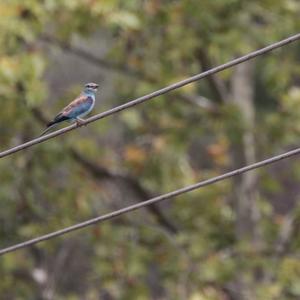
[149, 202]
[155, 94]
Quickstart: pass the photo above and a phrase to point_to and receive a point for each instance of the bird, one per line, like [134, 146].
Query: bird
[78, 108]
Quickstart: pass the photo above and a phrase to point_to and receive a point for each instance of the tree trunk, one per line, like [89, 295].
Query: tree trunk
[245, 191]
[243, 153]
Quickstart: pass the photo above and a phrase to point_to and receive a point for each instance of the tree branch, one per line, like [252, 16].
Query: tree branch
[288, 228]
[101, 173]
[67, 47]
[217, 85]
[200, 101]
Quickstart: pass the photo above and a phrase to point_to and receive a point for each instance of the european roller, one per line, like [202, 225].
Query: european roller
[77, 109]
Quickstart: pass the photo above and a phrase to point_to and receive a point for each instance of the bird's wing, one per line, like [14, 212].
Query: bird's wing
[78, 106]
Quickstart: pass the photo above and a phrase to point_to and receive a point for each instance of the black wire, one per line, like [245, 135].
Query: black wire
[149, 202]
[155, 94]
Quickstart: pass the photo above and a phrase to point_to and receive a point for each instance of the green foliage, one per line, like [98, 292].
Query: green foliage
[153, 148]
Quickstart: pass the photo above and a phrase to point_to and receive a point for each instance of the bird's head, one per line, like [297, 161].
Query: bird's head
[91, 87]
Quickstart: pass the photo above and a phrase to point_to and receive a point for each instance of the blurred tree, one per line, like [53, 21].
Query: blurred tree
[234, 240]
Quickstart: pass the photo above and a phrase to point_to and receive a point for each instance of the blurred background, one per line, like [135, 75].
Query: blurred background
[237, 239]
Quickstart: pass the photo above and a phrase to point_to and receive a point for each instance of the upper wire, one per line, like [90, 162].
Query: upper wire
[155, 94]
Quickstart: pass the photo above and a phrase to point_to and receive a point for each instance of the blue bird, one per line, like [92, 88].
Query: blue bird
[77, 109]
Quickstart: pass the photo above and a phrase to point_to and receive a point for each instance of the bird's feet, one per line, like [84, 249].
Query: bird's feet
[80, 122]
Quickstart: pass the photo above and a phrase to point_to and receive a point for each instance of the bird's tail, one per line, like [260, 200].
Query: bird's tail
[50, 126]
[59, 118]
